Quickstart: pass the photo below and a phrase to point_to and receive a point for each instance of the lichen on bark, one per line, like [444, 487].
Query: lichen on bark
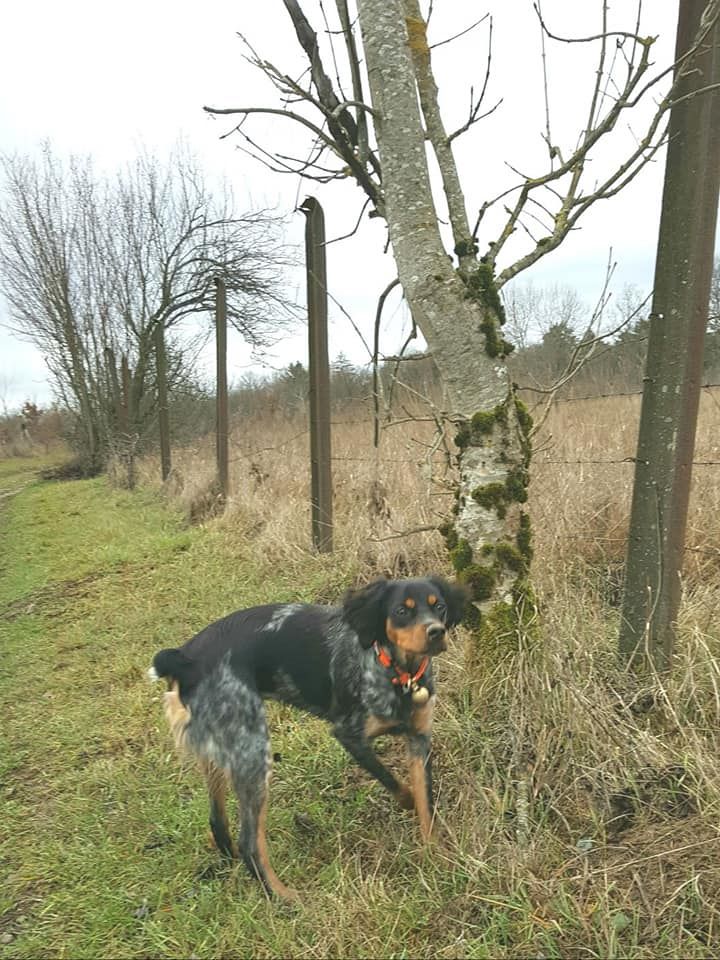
[490, 539]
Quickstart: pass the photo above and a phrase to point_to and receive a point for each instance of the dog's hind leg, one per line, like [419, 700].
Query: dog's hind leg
[250, 773]
[217, 783]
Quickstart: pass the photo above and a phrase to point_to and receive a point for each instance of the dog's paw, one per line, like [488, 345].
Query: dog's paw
[404, 797]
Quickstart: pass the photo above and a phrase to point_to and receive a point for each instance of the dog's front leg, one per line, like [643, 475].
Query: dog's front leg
[359, 748]
[419, 749]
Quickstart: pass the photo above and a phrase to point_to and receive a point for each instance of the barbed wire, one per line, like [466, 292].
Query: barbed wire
[304, 433]
[710, 551]
[276, 446]
[439, 457]
[381, 460]
[625, 460]
[581, 461]
[606, 396]
[357, 421]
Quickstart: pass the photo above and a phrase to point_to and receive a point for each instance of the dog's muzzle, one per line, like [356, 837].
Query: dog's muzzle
[436, 638]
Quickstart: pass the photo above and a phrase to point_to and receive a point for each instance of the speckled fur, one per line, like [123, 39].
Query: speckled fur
[321, 660]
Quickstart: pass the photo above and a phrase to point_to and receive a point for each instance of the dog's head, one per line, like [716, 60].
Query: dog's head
[412, 615]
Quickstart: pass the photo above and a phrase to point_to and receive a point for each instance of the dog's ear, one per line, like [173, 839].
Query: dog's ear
[456, 598]
[364, 612]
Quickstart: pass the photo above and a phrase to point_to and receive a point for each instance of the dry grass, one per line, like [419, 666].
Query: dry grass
[579, 496]
[580, 509]
[375, 499]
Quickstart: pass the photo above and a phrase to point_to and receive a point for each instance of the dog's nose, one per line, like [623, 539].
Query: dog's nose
[436, 636]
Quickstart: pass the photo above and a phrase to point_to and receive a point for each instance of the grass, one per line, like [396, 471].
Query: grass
[15, 472]
[88, 530]
[577, 821]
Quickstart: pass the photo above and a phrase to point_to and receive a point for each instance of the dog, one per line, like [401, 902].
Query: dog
[364, 666]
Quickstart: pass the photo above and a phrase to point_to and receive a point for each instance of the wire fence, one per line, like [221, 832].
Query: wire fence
[605, 396]
[441, 454]
[695, 463]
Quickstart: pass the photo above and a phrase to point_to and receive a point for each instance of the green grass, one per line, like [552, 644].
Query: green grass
[64, 533]
[104, 848]
[17, 470]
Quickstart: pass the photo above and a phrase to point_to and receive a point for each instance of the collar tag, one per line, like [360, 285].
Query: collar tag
[407, 682]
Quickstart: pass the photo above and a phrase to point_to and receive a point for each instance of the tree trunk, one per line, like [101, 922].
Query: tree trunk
[162, 401]
[221, 390]
[678, 320]
[78, 380]
[460, 319]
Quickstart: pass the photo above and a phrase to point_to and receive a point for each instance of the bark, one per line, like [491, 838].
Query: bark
[683, 273]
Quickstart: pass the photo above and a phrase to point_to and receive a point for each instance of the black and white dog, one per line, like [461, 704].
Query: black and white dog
[365, 666]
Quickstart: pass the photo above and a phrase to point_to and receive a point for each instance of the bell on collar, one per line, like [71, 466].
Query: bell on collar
[420, 695]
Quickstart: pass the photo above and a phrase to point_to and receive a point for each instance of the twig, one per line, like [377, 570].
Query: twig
[455, 36]
[376, 350]
[354, 230]
[474, 116]
[404, 533]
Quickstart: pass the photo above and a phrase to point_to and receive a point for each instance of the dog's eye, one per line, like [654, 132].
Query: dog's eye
[401, 612]
[440, 607]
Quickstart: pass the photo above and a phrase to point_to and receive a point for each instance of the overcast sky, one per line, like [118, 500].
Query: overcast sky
[104, 79]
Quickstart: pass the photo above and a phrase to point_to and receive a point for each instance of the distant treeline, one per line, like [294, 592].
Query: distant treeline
[550, 328]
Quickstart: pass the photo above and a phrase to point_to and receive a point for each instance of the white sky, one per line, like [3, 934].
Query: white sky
[101, 79]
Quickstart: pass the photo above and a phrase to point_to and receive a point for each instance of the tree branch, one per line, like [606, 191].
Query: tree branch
[573, 204]
[427, 89]
[354, 61]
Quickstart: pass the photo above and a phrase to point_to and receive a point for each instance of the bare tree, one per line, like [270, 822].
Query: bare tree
[381, 143]
[559, 339]
[6, 385]
[532, 311]
[91, 267]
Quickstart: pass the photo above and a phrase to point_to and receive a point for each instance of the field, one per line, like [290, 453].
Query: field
[579, 807]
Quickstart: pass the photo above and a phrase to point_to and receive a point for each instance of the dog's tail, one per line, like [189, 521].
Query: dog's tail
[174, 665]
